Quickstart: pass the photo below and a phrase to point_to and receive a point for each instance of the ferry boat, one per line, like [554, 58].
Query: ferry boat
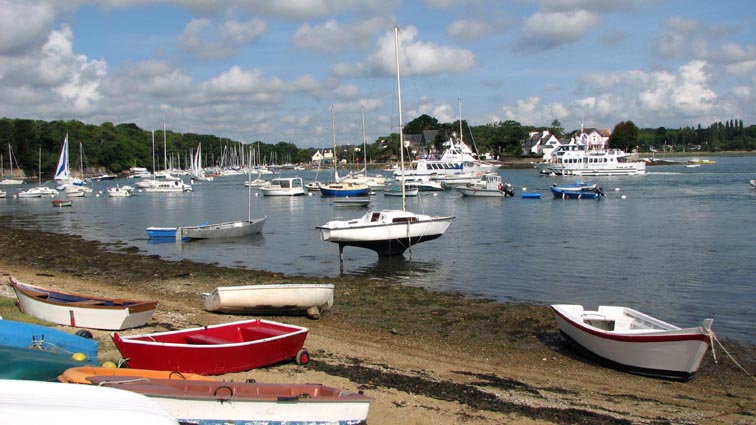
[581, 158]
[457, 158]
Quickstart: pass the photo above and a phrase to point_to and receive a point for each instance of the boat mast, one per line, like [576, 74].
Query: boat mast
[165, 149]
[399, 98]
[333, 133]
[364, 142]
[459, 105]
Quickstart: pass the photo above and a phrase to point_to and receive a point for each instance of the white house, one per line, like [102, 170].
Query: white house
[540, 143]
[325, 156]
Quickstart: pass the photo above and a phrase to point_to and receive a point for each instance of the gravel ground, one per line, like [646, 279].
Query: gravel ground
[425, 357]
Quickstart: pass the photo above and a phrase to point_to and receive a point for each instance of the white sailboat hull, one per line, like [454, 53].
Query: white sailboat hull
[388, 232]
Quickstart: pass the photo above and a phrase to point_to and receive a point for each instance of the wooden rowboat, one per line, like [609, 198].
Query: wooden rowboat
[310, 298]
[632, 341]
[216, 349]
[224, 402]
[82, 311]
[81, 374]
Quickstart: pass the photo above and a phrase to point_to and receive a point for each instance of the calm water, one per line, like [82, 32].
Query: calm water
[680, 246]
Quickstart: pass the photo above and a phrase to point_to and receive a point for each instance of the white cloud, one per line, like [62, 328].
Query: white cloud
[199, 39]
[24, 26]
[532, 112]
[415, 58]
[331, 36]
[468, 29]
[547, 30]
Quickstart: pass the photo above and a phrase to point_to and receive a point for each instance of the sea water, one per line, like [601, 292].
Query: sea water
[677, 243]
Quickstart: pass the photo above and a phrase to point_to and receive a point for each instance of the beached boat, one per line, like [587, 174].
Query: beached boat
[578, 190]
[81, 374]
[216, 349]
[237, 403]
[84, 311]
[309, 298]
[489, 185]
[43, 338]
[283, 186]
[229, 229]
[32, 402]
[37, 365]
[62, 203]
[635, 342]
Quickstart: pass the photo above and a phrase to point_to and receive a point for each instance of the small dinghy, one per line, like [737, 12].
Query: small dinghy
[291, 298]
[629, 340]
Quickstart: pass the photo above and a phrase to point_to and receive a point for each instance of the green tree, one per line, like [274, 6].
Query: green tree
[624, 136]
[421, 123]
[556, 129]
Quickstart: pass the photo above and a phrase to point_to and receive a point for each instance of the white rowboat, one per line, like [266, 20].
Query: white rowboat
[277, 298]
[629, 340]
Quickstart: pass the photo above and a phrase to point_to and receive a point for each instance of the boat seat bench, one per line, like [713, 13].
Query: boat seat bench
[205, 340]
[251, 334]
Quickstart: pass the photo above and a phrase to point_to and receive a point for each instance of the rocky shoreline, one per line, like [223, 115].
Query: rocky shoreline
[425, 357]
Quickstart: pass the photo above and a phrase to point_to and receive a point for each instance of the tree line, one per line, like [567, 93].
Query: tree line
[115, 148]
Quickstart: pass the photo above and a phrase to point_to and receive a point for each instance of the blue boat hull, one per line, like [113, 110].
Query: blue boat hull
[27, 364]
[344, 192]
[575, 194]
[161, 232]
[27, 335]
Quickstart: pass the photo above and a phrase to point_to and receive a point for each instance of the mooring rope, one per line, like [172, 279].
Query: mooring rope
[713, 337]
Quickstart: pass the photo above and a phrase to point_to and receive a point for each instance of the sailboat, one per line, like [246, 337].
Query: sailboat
[376, 182]
[10, 180]
[39, 191]
[387, 232]
[339, 188]
[229, 229]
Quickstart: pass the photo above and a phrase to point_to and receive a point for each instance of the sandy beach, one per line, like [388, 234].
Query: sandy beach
[425, 357]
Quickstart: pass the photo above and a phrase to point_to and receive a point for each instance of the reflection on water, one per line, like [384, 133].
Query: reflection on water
[676, 243]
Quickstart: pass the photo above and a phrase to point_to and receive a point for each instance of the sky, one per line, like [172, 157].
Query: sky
[273, 71]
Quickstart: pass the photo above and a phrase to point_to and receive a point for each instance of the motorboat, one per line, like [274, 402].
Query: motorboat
[283, 186]
[489, 185]
[578, 190]
[629, 340]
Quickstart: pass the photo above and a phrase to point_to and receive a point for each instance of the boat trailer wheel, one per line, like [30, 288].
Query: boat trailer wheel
[84, 333]
[303, 357]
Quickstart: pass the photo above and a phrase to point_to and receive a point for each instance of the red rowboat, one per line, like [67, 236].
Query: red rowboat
[216, 349]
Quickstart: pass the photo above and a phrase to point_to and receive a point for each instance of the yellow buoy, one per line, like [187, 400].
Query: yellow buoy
[109, 365]
[79, 357]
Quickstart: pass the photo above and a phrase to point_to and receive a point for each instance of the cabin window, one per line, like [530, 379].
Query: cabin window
[404, 220]
[375, 216]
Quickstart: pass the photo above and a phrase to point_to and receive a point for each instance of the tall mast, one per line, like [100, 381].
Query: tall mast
[459, 103]
[333, 133]
[364, 142]
[165, 149]
[401, 125]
